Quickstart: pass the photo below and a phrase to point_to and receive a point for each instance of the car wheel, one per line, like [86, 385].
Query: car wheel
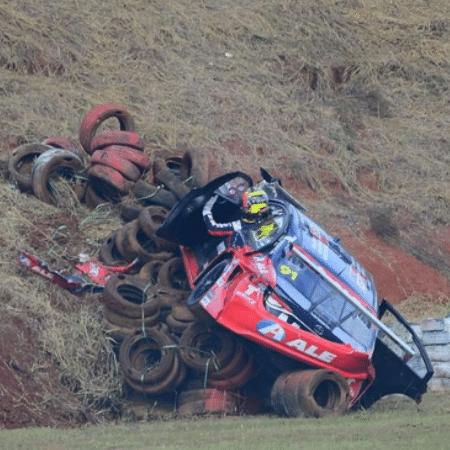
[206, 282]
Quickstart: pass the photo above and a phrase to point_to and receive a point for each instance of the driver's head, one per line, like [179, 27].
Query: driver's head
[255, 205]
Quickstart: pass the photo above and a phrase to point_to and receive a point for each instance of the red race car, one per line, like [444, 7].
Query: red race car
[302, 306]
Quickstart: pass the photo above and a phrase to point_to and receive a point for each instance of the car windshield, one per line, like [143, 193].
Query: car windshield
[325, 303]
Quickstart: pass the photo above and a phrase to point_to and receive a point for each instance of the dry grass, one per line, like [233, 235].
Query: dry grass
[327, 93]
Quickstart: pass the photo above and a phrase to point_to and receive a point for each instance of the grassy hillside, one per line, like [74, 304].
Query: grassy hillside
[347, 101]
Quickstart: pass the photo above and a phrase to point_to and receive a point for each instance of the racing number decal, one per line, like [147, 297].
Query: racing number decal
[286, 270]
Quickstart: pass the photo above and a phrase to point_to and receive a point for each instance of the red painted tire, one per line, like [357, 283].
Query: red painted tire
[207, 401]
[53, 164]
[96, 116]
[137, 157]
[205, 348]
[21, 161]
[108, 182]
[130, 296]
[113, 159]
[126, 139]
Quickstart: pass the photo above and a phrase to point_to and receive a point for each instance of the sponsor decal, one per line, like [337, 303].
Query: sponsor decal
[311, 350]
[249, 292]
[265, 230]
[271, 329]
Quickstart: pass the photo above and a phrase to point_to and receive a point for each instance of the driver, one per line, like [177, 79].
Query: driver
[254, 209]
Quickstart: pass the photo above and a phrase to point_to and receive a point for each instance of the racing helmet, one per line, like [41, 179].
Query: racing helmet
[255, 205]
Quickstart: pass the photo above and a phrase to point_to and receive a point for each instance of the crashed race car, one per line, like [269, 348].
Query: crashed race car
[304, 308]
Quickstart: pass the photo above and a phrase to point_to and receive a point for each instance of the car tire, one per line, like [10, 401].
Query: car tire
[205, 283]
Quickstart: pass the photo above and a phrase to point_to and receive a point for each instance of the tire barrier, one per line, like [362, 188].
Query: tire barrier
[310, 393]
[115, 164]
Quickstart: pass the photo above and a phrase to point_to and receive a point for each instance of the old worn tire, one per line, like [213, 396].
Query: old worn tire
[57, 163]
[64, 143]
[21, 161]
[194, 168]
[92, 199]
[237, 380]
[150, 194]
[127, 139]
[130, 296]
[149, 271]
[96, 116]
[112, 159]
[311, 393]
[171, 182]
[236, 364]
[127, 322]
[109, 182]
[144, 246]
[109, 254]
[144, 346]
[205, 348]
[138, 157]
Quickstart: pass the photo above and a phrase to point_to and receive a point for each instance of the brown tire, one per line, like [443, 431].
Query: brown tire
[182, 313]
[164, 159]
[111, 159]
[172, 183]
[205, 348]
[207, 401]
[172, 277]
[130, 296]
[109, 254]
[126, 322]
[144, 246]
[176, 326]
[54, 164]
[129, 211]
[149, 194]
[96, 116]
[310, 393]
[194, 168]
[235, 365]
[21, 161]
[92, 199]
[236, 381]
[151, 218]
[149, 271]
[127, 139]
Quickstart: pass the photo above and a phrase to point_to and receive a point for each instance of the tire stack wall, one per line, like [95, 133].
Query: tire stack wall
[435, 336]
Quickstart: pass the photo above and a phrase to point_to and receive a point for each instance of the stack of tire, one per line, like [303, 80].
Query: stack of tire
[137, 239]
[163, 347]
[112, 164]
